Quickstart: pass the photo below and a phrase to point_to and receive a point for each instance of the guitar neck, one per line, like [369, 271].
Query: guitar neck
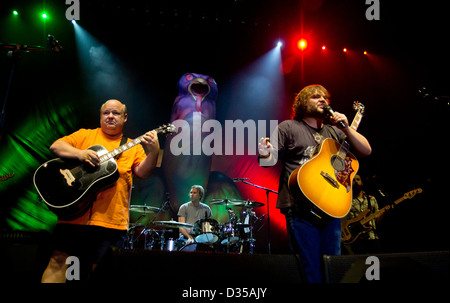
[376, 214]
[120, 149]
[117, 151]
[356, 121]
[355, 124]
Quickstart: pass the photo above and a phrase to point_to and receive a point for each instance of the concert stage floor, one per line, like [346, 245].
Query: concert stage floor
[23, 257]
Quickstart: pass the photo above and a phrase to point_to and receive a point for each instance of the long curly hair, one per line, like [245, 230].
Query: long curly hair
[299, 106]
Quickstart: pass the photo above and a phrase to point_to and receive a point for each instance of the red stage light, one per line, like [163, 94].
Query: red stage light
[365, 53]
[344, 50]
[324, 47]
[302, 44]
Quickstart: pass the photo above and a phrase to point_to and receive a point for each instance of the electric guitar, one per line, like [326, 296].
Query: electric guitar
[68, 187]
[353, 228]
[326, 179]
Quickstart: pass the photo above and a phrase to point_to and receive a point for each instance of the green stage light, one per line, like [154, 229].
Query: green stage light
[15, 13]
[44, 16]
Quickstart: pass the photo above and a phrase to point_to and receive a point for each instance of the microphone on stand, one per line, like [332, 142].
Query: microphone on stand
[239, 179]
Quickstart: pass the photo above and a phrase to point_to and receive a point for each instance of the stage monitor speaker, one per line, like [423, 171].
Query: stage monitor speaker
[394, 267]
[146, 266]
[23, 256]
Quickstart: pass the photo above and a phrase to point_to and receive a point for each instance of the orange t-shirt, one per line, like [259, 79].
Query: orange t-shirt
[110, 209]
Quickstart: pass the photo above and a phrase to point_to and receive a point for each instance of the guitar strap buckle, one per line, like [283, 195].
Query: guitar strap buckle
[318, 138]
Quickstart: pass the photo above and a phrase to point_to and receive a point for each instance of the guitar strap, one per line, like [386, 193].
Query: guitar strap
[318, 137]
[122, 142]
[333, 133]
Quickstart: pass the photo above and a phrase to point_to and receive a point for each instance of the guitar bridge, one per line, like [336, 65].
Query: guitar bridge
[330, 179]
[68, 176]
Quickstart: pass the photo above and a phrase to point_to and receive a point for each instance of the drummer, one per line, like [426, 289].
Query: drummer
[192, 211]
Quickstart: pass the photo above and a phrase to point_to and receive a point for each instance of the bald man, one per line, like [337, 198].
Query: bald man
[88, 237]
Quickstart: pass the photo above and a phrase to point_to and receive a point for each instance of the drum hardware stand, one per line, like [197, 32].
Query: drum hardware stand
[152, 220]
[232, 217]
[163, 240]
[268, 191]
[129, 239]
[250, 239]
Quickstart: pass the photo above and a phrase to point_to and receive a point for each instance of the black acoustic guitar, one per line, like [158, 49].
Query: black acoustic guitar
[68, 187]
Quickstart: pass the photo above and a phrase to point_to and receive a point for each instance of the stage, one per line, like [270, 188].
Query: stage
[59, 63]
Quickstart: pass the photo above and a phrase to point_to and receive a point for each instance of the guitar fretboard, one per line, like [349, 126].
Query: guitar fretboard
[343, 150]
[356, 120]
[120, 149]
[165, 129]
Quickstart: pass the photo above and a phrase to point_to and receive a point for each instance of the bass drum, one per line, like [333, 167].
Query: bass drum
[197, 247]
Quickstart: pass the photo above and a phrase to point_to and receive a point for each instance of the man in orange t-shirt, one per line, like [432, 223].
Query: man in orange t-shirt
[88, 237]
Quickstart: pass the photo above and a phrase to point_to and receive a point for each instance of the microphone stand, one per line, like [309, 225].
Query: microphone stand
[268, 191]
[13, 53]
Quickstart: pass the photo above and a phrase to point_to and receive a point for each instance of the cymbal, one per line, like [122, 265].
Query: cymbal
[143, 209]
[240, 203]
[173, 224]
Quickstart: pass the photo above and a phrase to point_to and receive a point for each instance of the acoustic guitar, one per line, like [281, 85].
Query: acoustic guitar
[68, 187]
[326, 179]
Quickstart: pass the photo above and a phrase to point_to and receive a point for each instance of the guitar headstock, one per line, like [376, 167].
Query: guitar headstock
[411, 194]
[359, 107]
[166, 129]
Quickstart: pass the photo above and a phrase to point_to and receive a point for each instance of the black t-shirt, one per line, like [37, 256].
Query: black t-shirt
[295, 146]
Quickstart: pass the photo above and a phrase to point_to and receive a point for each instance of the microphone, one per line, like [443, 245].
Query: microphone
[239, 179]
[328, 110]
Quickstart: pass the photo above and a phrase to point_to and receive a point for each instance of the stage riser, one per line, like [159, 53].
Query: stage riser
[197, 267]
[24, 258]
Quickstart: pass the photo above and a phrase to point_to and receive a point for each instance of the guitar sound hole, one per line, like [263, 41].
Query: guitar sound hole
[337, 163]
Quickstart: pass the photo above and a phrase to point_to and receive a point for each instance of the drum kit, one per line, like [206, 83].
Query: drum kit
[234, 236]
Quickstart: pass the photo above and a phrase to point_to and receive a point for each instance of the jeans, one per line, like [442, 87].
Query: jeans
[312, 241]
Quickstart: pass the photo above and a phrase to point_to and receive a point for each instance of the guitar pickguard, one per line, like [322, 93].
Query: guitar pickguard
[343, 176]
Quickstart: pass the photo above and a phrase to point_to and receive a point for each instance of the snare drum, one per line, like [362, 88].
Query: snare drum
[206, 231]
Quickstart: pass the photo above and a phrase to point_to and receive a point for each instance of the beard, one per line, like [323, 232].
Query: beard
[313, 110]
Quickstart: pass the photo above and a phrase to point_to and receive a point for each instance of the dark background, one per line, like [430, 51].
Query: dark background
[149, 45]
